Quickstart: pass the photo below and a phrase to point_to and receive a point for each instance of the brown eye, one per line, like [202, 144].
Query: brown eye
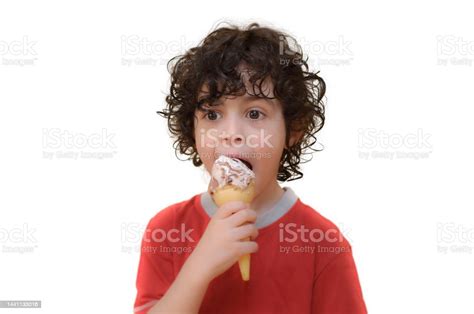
[211, 115]
[254, 114]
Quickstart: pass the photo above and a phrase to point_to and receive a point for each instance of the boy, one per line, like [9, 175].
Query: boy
[247, 94]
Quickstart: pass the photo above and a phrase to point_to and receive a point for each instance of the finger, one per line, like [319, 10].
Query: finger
[242, 216]
[254, 234]
[247, 247]
[229, 208]
[244, 232]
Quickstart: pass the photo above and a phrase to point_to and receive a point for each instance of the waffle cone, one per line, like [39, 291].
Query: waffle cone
[231, 193]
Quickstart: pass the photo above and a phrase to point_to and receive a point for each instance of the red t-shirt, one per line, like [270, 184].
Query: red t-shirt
[303, 265]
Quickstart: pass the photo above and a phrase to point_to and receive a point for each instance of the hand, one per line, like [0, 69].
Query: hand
[225, 239]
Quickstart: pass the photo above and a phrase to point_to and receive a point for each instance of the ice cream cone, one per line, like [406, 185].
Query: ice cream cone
[229, 193]
[240, 186]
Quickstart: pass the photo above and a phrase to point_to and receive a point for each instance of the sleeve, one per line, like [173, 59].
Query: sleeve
[336, 289]
[155, 268]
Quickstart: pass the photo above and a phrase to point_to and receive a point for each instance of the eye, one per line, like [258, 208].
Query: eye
[211, 115]
[255, 114]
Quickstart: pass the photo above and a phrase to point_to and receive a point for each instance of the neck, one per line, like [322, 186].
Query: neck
[265, 200]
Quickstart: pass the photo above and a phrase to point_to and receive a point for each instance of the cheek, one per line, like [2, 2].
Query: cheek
[277, 141]
[273, 137]
[204, 146]
[269, 154]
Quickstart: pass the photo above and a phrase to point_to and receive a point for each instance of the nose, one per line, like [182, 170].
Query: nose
[232, 132]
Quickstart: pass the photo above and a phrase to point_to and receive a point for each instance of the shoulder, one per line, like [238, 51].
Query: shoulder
[317, 228]
[328, 242]
[168, 216]
[313, 218]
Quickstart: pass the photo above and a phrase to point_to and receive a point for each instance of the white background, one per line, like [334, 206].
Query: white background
[399, 81]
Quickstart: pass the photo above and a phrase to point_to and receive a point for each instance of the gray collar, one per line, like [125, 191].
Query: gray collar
[283, 205]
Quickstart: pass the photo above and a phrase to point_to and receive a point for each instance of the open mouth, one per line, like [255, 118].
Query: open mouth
[245, 162]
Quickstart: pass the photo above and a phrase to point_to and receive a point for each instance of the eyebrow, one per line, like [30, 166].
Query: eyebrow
[247, 98]
[254, 97]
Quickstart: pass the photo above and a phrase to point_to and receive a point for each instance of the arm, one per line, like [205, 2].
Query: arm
[223, 242]
[186, 293]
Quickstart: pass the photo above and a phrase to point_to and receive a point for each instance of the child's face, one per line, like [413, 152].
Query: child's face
[245, 127]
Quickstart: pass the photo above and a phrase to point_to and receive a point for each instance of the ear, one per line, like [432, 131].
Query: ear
[295, 137]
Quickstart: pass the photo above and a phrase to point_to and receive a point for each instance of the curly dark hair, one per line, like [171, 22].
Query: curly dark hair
[269, 54]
